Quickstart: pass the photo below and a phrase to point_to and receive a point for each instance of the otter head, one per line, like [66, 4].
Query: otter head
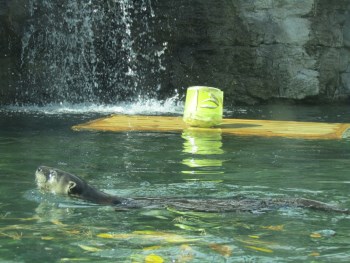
[56, 181]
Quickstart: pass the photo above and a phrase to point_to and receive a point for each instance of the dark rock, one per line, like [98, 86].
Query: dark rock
[255, 51]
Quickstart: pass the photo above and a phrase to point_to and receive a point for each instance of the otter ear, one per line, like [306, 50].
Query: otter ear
[71, 186]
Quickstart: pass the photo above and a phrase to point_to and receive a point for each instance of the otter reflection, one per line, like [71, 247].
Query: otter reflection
[60, 182]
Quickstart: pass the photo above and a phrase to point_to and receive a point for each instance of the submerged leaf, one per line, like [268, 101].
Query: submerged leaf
[149, 234]
[90, 249]
[73, 232]
[224, 250]
[323, 233]
[57, 223]
[153, 258]
[255, 241]
[151, 248]
[13, 235]
[47, 238]
[315, 235]
[274, 228]
[29, 218]
[261, 249]
[114, 236]
[105, 235]
[155, 213]
[162, 217]
[73, 259]
[168, 237]
[190, 228]
[191, 213]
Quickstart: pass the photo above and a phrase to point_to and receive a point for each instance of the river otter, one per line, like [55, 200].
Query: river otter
[60, 182]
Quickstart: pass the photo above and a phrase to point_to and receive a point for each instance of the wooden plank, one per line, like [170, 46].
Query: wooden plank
[243, 127]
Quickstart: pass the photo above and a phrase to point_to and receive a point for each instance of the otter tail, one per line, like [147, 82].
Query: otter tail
[317, 205]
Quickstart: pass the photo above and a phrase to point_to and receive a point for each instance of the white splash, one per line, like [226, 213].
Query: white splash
[171, 106]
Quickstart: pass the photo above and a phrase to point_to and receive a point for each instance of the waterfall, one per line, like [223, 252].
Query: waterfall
[90, 51]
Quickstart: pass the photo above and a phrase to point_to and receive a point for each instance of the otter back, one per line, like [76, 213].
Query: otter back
[60, 182]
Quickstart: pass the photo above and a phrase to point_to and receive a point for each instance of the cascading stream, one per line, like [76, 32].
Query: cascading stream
[90, 51]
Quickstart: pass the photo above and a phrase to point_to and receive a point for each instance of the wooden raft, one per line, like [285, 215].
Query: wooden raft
[290, 129]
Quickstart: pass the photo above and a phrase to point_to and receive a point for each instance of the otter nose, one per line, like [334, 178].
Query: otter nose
[39, 169]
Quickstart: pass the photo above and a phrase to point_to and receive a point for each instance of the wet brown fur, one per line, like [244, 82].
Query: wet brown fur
[60, 182]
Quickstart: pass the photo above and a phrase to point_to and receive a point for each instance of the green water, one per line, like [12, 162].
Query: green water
[37, 227]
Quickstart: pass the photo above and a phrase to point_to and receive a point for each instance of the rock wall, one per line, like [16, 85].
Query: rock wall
[10, 48]
[264, 50]
[329, 44]
[254, 50]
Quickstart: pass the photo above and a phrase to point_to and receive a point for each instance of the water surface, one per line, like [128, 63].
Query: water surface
[37, 227]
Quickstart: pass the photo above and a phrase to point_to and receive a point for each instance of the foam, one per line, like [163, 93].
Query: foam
[143, 106]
